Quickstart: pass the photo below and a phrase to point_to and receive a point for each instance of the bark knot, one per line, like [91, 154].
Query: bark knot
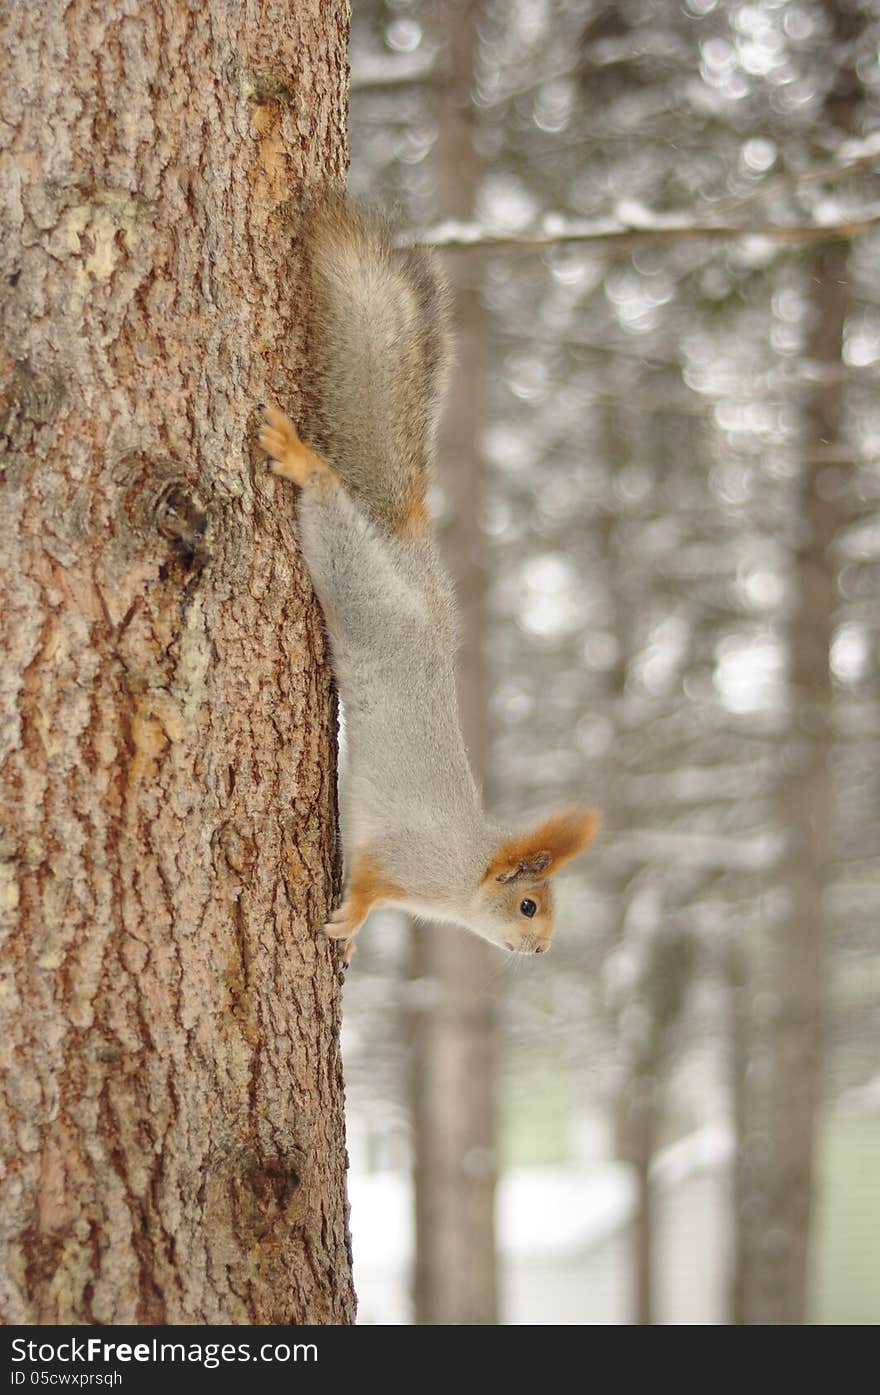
[159, 495]
[181, 518]
[267, 1195]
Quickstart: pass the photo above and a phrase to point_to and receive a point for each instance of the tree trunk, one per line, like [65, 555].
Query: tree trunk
[173, 1136]
[640, 1128]
[643, 1297]
[453, 1083]
[781, 1248]
[639, 1094]
[737, 983]
[775, 1220]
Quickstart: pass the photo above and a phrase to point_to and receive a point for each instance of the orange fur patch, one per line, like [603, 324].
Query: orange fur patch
[414, 519]
[294, 460]
[367, 886]
[562, 836]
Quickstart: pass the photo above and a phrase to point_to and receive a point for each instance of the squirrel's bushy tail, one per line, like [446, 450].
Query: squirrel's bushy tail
[379, 349]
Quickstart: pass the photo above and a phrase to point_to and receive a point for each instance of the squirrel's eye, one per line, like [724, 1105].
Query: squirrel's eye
[528, 907]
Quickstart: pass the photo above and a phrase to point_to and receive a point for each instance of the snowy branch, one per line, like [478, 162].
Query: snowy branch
[636, 225]
[371, 74]
[850, 157]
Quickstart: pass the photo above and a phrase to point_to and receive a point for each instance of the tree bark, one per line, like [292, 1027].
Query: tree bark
[173, 1134]
[453, 1081]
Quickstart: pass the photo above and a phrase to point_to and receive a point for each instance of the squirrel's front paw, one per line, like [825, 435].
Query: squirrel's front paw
[341, 928]
[338, 929]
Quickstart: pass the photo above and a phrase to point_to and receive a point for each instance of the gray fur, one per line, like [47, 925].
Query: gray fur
[408, 795]
[378, 352]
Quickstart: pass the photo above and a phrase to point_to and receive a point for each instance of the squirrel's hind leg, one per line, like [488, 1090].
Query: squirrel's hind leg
[291, 457]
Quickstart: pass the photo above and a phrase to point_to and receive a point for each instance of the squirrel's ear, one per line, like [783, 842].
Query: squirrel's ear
[545, 849]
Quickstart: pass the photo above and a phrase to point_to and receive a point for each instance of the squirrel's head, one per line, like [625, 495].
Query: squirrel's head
[515, 904]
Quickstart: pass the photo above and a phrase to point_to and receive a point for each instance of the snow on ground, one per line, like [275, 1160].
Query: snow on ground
[561, 1235]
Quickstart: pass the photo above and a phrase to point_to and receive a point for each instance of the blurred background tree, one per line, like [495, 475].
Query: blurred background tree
[454, 1027]
[659, 494]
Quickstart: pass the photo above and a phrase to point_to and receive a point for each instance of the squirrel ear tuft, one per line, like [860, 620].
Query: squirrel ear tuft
[545, 849]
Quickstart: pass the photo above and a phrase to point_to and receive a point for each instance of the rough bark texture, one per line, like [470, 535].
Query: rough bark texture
[454, 1034]
[173, 1138]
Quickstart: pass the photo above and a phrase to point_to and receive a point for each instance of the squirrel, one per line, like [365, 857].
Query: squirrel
[414, 833]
